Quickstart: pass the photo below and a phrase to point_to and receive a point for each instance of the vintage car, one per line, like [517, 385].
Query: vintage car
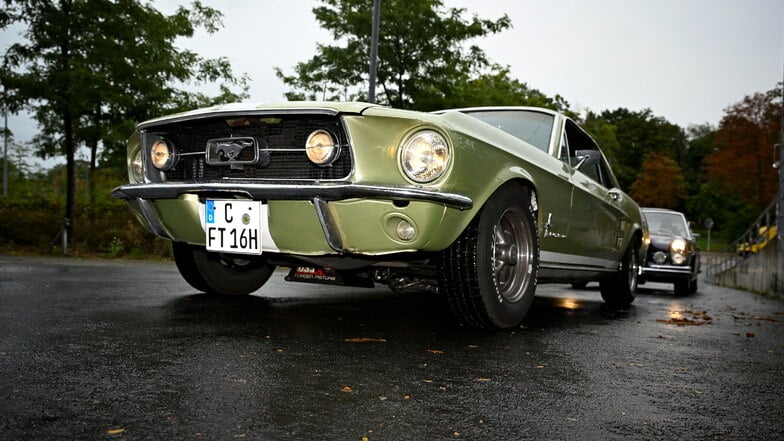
[478, 204]
[673, 254]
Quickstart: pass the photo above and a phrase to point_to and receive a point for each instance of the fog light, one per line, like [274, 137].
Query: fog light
[162, 155]
[678, 258]
[405, 231]
[320, 148]
[659, 257]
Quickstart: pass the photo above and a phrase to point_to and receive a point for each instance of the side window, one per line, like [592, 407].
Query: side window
[576, 139]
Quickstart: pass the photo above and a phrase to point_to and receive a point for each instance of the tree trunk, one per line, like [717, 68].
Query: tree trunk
[70, 164]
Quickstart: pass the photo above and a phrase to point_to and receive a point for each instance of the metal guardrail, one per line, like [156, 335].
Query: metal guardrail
[756, 237]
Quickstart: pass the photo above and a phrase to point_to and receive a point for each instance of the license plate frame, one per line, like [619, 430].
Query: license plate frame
[233, 226]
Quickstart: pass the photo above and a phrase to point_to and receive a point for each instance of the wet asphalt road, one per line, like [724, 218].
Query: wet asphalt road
[127, 350]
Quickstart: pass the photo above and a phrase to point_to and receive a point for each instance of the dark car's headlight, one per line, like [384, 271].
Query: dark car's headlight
[678, 251]
[424, 157]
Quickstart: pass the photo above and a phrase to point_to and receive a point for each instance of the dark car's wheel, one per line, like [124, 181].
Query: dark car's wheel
[682, 287]
[619, 291]
[685, 287]
[220, 274]
[489, 273]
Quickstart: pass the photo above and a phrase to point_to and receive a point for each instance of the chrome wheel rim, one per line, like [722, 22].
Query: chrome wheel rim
[513, 255]
[633, 269]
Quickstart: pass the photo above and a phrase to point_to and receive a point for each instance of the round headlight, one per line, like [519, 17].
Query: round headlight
[425, 156]
[678, 258]
[678, 245]
[135, 167]
[321, 148]
[162, 155]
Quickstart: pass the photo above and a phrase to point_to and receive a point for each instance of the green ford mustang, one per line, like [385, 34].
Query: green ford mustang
[476, 204]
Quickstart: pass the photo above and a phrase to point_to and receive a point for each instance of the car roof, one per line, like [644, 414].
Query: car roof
[660, 210]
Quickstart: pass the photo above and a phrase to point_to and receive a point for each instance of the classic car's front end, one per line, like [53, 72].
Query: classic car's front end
[673, 254]
[315, 193]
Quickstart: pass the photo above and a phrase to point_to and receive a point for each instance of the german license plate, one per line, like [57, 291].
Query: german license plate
[233, 226]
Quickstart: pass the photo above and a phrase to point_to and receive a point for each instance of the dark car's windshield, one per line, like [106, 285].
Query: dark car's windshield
[666, 224]
[532, 127]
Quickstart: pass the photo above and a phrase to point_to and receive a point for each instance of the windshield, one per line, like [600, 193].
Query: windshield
[667, 224]
[532, 127]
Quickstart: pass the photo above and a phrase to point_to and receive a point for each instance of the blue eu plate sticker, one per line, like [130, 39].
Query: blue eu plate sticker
[210, 212]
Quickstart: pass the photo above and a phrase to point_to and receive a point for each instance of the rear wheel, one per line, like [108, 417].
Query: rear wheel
[620, 290]
[489, 273]
[217, 273]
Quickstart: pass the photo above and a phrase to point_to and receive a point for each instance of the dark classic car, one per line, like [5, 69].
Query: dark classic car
[673, 254]
[478, 204]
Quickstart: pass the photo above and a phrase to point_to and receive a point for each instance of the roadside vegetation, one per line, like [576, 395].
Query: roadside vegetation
[87, 92]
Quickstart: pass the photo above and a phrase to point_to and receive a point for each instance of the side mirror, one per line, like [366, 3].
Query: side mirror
[587, 157]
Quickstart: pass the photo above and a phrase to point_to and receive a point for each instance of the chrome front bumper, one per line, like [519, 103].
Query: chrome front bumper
[324, 192]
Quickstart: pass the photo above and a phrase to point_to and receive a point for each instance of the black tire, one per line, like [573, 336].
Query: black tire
[489, 273]
[682, 287]
[693, 286]
[217, 273]
[183, 257]
[620, 290]
[685, 287]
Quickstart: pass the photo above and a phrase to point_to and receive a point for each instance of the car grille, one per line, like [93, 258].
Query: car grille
[281, 139]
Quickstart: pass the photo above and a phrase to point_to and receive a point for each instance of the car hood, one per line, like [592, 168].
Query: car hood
[662, 241]
[330, 108]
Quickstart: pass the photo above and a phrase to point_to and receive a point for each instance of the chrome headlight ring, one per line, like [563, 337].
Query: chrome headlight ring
[425, 156]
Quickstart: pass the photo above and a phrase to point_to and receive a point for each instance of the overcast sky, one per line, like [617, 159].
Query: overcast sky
[686, 60]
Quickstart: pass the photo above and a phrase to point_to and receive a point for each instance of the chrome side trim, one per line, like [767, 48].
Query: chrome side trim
[324, 191]
[571, 261]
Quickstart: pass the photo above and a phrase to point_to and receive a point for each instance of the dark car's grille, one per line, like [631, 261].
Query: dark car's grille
[280, 139]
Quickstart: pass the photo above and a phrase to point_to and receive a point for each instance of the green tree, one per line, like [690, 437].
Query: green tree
[639, 133]
[660, 183]
[494, 88]
[701, 143]
[423, 59]
[88, 69]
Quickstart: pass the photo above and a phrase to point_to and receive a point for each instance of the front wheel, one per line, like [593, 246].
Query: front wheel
[489, 273]
[620, 290]
[217, 273]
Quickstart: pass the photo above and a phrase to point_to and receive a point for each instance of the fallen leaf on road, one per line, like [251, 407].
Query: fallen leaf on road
[764, 319]
[435, 351]
[347, 389]
[750, 334]
[365, 340]
[688, 318]
[115, 431]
